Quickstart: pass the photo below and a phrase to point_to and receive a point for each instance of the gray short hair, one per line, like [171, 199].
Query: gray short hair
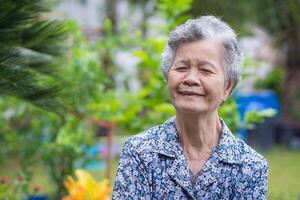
[203, 28]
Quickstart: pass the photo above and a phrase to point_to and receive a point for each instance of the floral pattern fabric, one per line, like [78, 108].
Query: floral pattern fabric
[153, 166]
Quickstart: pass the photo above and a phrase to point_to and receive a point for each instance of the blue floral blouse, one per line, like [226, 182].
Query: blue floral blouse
[153, 166]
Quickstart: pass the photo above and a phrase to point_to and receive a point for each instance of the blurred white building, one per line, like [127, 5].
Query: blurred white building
[263, 56]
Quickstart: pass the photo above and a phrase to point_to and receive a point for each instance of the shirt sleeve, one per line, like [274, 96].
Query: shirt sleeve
[258, 185]
[131, 179]
[262, 186]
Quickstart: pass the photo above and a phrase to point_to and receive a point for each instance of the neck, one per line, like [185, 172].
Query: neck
[198, 133]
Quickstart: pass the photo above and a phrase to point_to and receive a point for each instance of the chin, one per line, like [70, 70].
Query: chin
[192, 110]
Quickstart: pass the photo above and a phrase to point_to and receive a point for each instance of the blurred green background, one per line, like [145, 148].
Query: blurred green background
[78, 77]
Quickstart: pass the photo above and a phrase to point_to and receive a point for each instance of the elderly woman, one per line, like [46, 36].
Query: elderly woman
[194, 155]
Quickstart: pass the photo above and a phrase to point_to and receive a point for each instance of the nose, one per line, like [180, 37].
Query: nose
[191, 78]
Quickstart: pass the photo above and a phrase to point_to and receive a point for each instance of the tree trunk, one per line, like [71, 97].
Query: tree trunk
[291, 95]
[111, 6]
[106, 59]
[291, 84]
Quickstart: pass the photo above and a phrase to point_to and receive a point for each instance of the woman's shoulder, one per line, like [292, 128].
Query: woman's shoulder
[148, 135]
[238, 151]
[250, 156]
[146, 141]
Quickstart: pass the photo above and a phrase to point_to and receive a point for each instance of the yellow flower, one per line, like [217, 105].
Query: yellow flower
[101, 190]
[86, 188]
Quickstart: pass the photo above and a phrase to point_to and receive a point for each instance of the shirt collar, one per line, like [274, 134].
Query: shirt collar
[226, 151]
[168, 142]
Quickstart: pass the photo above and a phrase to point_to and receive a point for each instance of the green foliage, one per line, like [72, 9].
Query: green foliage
[18, 188]
[248, 65]
[236, 13]
[175, 11]
[85, 80]
[283, 18]
[229, 112]
[59, 155]
[30, 48]
[254, 117]
[272, 81]
[24, 124]
[132, 112]
[36, 136]
[54, 139]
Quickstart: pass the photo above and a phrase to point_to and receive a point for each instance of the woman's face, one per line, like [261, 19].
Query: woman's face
[196, 80]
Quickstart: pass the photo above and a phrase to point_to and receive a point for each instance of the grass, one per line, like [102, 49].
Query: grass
[284, 165]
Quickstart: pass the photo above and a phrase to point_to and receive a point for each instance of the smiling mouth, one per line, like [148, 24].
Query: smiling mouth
[190, 93]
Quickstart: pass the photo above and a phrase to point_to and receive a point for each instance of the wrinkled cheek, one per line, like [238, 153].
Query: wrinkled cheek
[212, 102]
[177, 99]
[171, 93]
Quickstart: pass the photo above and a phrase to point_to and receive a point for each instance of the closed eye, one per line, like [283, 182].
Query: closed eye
[206, 66]
[181, 69]
[208, 71]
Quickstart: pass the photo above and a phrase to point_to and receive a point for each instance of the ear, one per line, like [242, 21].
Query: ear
[228, 89]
